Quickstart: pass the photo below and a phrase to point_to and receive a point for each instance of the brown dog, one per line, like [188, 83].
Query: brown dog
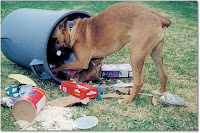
[108, 32]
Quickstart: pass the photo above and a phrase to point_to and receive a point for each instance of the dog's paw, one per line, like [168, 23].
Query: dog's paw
[123, 101]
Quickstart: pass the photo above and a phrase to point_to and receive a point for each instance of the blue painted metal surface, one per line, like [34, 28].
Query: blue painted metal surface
[25, 34]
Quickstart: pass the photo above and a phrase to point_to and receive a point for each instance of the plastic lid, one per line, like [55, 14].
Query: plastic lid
[86, 122]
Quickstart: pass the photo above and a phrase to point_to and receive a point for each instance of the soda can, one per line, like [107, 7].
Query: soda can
[30, 104]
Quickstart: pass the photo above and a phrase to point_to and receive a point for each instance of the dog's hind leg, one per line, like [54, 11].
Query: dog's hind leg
[137, 62]
[142, 43]
[157, 56]
[137, 56]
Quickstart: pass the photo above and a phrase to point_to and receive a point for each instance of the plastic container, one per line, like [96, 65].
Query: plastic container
[25, 34]
[86, 122]
[30, 104]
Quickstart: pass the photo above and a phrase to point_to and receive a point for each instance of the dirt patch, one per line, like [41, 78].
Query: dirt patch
[50, 118]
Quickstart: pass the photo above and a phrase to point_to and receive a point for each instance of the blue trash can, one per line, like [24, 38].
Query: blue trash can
[25, 34]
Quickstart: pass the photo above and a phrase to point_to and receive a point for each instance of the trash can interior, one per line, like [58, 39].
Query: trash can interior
[64, 55]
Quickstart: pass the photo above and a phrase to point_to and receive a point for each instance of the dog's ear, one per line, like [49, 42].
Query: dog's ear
[64, 24]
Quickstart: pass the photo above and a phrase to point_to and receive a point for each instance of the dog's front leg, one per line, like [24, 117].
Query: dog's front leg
[76, 65]
[83, 57]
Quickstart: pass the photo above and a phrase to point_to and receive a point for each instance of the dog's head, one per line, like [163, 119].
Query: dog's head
[61, 35]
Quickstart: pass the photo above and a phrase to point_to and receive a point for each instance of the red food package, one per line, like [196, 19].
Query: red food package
[82, 90]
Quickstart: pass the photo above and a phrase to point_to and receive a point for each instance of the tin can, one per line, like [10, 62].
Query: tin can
[28, 106]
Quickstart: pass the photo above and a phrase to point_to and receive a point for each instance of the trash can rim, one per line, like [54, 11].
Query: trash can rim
[69, 12]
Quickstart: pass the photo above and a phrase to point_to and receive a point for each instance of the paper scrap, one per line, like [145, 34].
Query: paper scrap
[67, 101]
[123, 90]
[152, 98]
[114, 95]
[110, 95]
[22, 79]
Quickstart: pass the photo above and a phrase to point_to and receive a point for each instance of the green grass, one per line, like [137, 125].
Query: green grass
[180, 59]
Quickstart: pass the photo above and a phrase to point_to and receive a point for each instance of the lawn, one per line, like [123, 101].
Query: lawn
[181, 64]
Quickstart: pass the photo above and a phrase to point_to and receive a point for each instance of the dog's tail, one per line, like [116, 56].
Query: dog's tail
[165, 22]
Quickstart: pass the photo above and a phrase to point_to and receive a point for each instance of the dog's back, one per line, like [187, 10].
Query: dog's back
[129, 13]
[121, 20]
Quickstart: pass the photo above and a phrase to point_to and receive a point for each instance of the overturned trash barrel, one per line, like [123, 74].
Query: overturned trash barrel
[25, 34]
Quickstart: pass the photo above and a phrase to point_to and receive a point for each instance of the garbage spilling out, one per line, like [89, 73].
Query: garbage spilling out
[27, 100]
[25, 51]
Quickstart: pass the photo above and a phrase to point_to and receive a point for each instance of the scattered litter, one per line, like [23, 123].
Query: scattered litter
[114, 95]
[124, 90]
[116, 71]
[22, 79]
[24, 89]
[17, 91]
[153, 101]
[67, 101]
[28, 106]
[152, 98]
[157, 93]
[86, 122]
[50, 118]
[111, 95]
[121, 84]
[8, 102]
[101, 89]
[81, 90]
[13, 91]
[172, 99]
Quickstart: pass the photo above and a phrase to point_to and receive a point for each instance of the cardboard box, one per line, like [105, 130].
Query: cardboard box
[116, 71]
[82, 90]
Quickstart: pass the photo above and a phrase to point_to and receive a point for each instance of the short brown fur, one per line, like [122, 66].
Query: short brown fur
[108, 32]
